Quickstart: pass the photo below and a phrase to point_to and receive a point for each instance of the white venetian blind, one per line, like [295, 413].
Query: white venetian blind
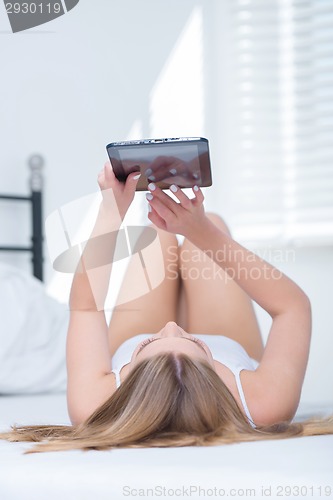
[280, 125]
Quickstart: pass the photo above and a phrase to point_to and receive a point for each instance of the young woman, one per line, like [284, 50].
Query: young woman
[183, 363]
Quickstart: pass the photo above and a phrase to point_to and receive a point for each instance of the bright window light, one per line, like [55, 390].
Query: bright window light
[177, 99]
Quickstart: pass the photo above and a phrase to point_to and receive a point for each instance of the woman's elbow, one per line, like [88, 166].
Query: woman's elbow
[302, 301]
[77, 416]
[306, 305]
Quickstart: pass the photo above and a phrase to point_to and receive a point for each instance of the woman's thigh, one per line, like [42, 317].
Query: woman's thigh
[215, 303]
[148, 296]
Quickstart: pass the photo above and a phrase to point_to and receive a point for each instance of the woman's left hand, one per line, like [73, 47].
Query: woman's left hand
[114, 191]
[187, 217]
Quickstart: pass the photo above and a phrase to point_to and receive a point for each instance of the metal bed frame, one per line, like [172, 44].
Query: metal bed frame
[36, 163]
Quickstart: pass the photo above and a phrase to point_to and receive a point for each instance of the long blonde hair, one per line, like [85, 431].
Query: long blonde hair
[166, 400]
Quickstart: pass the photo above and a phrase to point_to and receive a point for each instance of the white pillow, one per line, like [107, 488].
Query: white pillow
[33, 329]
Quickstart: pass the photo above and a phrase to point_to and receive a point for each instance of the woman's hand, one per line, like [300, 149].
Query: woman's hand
[173, 170]
[186, 217]
[114, 191]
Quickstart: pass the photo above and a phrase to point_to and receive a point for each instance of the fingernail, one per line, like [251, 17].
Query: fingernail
[195, 188]
[173, 171]
[149, 196]
[148, 172]
[196, 176]
[174, 188]
[149, 208]
[152, 178]
[136, 177]
[151, 186]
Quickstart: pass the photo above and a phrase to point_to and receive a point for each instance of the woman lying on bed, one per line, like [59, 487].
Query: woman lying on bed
[159, 375]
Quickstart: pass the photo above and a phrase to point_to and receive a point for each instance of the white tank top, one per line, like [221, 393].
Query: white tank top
[225, 350]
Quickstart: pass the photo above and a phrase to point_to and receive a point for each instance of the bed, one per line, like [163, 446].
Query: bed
[270, 469]
[33, 324]
[34, 202]
[298, 467]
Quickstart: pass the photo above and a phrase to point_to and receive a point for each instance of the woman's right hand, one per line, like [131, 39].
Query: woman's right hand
[186, 217]
[116, 192]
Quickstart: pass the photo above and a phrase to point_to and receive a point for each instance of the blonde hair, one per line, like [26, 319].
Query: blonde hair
[166, 400]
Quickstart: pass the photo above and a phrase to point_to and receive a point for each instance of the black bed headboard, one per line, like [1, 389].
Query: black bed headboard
[36, 163]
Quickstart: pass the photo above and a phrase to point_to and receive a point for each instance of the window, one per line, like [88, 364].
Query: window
[277, 78]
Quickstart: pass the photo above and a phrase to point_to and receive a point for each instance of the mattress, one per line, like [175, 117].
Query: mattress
[297, 467]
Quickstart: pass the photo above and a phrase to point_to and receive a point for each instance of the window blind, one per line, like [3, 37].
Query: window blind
[279, 79]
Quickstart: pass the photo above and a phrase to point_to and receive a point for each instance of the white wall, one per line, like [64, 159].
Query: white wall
[71, 86]
[119, 70]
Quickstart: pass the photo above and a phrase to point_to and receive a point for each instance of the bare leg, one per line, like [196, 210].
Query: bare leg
[154, 305]
[215, 304]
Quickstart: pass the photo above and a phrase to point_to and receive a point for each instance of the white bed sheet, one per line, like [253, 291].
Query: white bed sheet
[265, 469]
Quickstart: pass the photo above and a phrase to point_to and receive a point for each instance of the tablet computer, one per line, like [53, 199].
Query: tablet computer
[183, 161]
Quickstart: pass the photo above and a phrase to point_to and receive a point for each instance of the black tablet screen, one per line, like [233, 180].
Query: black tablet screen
[182, 164]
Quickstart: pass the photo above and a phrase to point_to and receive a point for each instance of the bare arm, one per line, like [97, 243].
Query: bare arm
[277, 382]
[90, 382]
[279, 377]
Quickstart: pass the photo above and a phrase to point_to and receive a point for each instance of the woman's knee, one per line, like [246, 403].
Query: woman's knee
[165, 238]
[219, 222]
[149, 234]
